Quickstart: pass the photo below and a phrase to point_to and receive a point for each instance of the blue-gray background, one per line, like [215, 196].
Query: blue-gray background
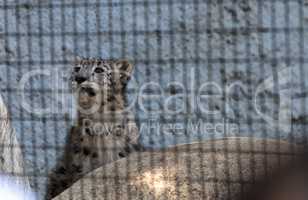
[258, 44]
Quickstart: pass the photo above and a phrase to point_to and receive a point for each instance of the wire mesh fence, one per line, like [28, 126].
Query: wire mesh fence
[203, 70]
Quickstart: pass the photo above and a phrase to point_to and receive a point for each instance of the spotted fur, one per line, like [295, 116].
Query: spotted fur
[104, 131]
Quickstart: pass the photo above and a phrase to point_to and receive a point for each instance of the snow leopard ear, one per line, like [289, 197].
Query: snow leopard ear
[77, 59]
[124, 68]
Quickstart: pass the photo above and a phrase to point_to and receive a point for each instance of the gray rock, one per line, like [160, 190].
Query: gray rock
[214, 170]
[12, 168]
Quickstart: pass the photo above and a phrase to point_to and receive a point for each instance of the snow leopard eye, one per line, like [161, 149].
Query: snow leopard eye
[99, 70]
[77, 69]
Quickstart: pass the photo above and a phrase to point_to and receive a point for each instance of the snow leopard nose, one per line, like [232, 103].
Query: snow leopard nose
[90, 91]
[80, 79]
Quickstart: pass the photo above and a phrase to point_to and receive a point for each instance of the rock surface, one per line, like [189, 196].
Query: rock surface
[213, 170]
[12, 168]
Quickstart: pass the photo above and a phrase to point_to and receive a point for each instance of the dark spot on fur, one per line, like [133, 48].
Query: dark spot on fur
[88, 131]
[127, 139]
[61, 170]
[138, 147]
[122, 155]
[64, 184]
[124, 86]
[52, 190]
[94, 155]
[127, 149]
[112, 108]
[76, 148]
[125, 66]
[77, 168]
[86, 151]
[111, 98]
[118, 132]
